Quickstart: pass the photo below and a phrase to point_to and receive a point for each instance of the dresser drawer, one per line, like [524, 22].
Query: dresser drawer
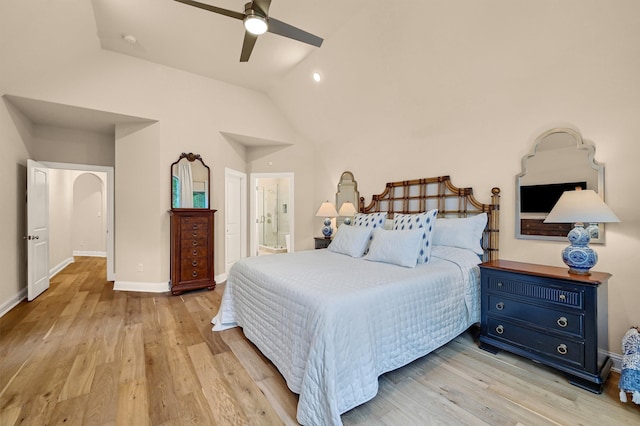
[563, 350]
[188, 272]
[188, 233]
[194, 224]
[541, 317]
[191, 243]
[499, 283]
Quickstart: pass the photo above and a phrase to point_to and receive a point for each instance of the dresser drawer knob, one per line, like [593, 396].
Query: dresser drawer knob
[194, 252]
[194, 243]
[194, 273]
[562, 322]
[500, 306]
[195, 263]
[500, 329]
[195, 234]
[562, 349]
[499, 284]
[195, 226]
[563, 297]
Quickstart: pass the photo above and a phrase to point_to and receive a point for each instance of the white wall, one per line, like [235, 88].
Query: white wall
[427, 88]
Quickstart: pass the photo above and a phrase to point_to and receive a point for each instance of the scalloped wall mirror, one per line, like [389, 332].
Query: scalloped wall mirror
[559, 161]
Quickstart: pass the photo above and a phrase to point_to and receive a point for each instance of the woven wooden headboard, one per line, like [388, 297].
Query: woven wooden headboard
[420, 195]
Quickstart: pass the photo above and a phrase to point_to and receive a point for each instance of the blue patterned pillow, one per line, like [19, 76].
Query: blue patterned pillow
[370, 220]
[424, 220]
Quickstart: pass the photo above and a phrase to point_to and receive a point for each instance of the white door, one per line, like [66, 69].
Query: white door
[235, 217]
[37, 229]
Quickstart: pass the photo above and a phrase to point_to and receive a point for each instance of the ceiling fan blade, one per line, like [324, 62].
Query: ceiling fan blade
[247, 46]
[221, 11]
[263, 5]
[289, 31]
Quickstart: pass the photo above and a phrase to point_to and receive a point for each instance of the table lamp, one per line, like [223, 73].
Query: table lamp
[327, 210]
[579, 207]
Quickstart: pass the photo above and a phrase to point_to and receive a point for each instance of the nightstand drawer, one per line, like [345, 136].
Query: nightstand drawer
[563, 350]
[537, 316]
[507, 284]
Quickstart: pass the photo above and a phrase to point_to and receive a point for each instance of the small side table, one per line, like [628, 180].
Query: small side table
[322, 242]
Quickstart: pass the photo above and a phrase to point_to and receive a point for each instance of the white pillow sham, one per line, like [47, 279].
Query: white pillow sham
[460, 232]
[350, 240]
[424, 221]
[395, 247]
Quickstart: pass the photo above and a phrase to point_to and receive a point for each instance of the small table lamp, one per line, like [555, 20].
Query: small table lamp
[347, 209]
[327, 210]
[579, 207]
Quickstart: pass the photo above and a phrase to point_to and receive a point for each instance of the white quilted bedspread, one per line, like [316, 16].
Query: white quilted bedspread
[332, 324]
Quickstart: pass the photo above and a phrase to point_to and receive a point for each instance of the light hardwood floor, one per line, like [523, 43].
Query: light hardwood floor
[84, 354]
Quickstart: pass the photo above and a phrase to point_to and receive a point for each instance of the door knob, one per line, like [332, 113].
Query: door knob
[31, 237]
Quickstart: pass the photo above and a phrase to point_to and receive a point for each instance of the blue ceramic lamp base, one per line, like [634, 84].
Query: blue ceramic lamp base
[327, 230]
[579, 257]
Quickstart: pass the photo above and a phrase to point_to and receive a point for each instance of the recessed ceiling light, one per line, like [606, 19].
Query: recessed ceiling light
[316, 76]
[129, 38]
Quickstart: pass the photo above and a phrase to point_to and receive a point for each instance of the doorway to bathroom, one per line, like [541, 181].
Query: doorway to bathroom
[272, 205]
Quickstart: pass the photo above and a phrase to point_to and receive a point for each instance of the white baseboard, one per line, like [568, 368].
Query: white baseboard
[617, 362]
[221, 278]
[11, 303]
[90, 253]
[60, 266]
[141, 286]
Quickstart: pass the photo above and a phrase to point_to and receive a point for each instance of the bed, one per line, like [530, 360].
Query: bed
[333, 321]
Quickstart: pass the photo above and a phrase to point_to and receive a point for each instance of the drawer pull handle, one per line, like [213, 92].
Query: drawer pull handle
[195, 263]
[194, 273]
[500, 329]
[195, 226]
[562, 349]
[500, 306]
[195, 234]
[562, 322]
[194, 243]
[563, 297]
[194, 252]
[499, 284]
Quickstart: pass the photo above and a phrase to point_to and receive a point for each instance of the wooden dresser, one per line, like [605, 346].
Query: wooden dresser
[192, 249]
[548, 315]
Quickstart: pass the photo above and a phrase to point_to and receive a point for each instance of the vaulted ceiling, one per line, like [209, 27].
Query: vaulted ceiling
[205, 43]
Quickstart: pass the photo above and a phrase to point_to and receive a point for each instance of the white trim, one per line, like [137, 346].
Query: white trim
[141, 286]
[60, 266]
[90, 253]
[13, 302]
[221, 278]
[253, 249]
[617, 361]
[243, 212]
[110, 231]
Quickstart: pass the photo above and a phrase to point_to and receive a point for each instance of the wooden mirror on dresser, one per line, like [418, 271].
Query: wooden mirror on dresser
[192, 243]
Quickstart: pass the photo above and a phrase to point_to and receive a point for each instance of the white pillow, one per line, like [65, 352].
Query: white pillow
[424, 221]
[460, 232]
[350, 240]
[396, 247]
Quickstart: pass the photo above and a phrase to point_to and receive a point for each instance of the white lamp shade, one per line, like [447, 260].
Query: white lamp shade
[347, 209]
[581, 206]
[327, 209]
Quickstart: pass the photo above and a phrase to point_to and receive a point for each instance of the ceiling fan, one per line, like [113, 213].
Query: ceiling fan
[257, 21]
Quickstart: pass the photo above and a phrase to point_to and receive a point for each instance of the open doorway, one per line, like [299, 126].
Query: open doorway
[81, 214]
[272, 209]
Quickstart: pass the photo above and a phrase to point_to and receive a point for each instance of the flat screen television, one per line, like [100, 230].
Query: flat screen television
[542, 198]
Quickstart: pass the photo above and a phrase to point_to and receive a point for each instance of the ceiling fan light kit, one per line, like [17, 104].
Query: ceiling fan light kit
[255, 24]
[257, 21]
